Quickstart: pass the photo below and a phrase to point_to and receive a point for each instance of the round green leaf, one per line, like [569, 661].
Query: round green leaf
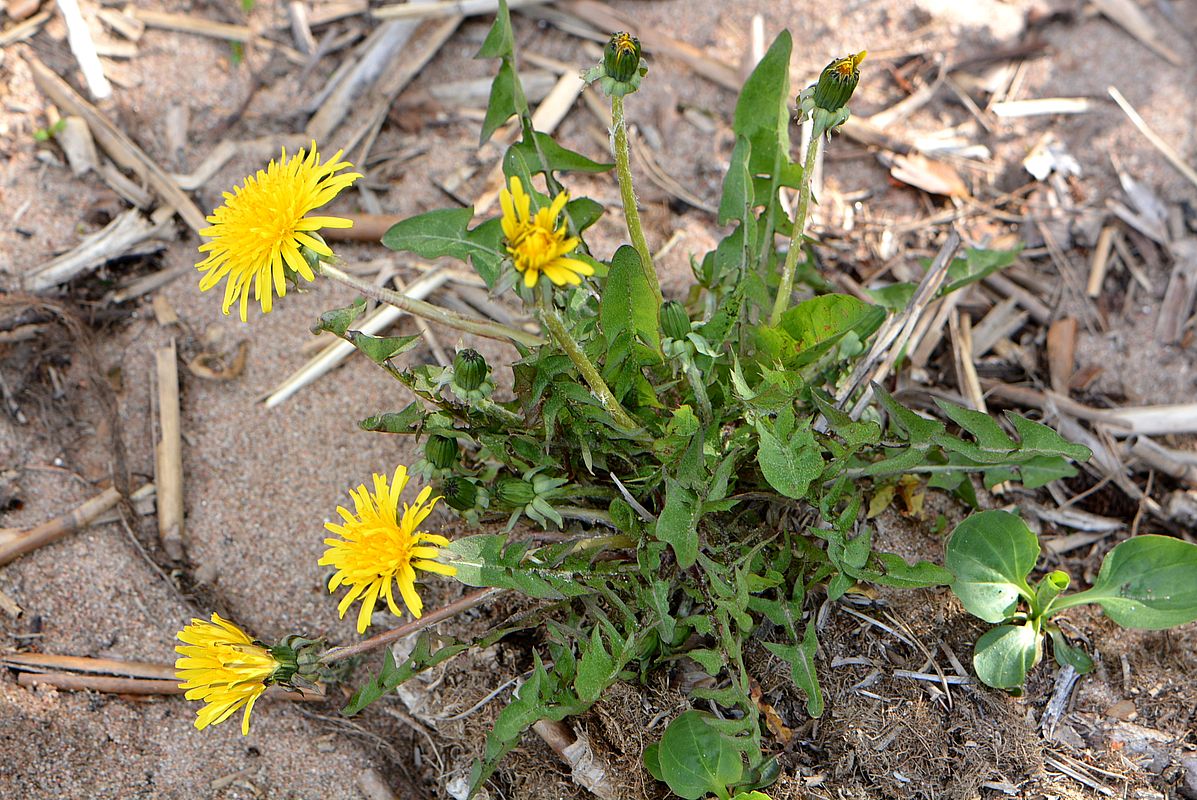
[1146, 582]
[696, 760]
[990, 555]
[1005, 654]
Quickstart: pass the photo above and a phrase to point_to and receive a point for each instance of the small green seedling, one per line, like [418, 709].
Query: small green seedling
[696, 759]
[1147, 582]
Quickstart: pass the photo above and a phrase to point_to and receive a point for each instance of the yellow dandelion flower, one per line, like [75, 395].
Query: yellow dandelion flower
[537, 243]
[379, 548]
[258, 232]
[222, 666]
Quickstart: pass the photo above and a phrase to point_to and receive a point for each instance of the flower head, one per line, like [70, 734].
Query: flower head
[263, 234]
[537, 243]
[838, 81]
[222, 666]
[379, 548]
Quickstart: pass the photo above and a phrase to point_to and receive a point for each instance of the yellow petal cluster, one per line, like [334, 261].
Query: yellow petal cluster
[380, 548]
[259, 230]
[539, 242]
[222, 666]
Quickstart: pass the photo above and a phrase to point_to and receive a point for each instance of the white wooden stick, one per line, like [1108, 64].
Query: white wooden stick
[85, 50]
[339, 350]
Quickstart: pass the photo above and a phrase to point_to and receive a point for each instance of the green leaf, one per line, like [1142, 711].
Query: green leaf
[596, 669]
[446, 232]
[652, 760]
[1068, 655]
[628, 303]
[1042, 470]
[989, 434]
[919, 429]
[736, 202]
[990, 555]
[678, 523]
[817, 324]
[696, 760]
[789, 466]
[976, 265]
[556, 157]
[380, 349]
[584, 212]
[338, 321]
[1147, 582]
[422, 657]
[406, 421]
[801, 658]
[761, 110]
[506, 101]
[1005, 654]
[488, 560]
[1042, 440]
[500, 39]
[889, 569]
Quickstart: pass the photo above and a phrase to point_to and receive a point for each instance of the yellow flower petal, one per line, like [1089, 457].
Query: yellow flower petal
[222, 666]
[258, 230]
[539, 243]
[380, 548]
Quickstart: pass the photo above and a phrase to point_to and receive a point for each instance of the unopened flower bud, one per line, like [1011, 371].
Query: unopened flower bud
[288, 664]
[838, 81]
[515, 492]
[469, 369]
[441, 451]
[675, 322]
[459, 493]
[621, 58]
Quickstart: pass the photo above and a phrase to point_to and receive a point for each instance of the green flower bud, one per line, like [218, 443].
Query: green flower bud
[838, 81]
[469, 369]
[621, 58]
[515, 492]
[674, 320]
[288, 663]
[441, 451]
[459, 493]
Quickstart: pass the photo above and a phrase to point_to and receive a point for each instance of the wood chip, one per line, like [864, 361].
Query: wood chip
[1042, 106]
[17, 543]
[1100, 262]
[23, 30]
[934, 177]
[75, 140]
[1169, 152]
[1061, 352]
[446, 8]
[1135, 21]
[119, 147]
[1177, 307]
[113, 241]
[168, 464]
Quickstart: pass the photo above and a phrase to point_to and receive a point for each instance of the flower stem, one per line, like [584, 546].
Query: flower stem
[552, 321]
[394, 634]
[786, 287]
[628, 195]
[430, 312]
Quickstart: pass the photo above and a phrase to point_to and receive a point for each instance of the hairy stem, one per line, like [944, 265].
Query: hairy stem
[786, 287]
[628, 195]
[430, 312]
[394, 634]
[598, 386]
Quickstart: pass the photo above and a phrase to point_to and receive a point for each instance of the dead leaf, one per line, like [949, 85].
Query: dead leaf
[218, 366]
[934, 177]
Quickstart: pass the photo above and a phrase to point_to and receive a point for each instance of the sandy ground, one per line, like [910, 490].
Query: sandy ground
[260, 483]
